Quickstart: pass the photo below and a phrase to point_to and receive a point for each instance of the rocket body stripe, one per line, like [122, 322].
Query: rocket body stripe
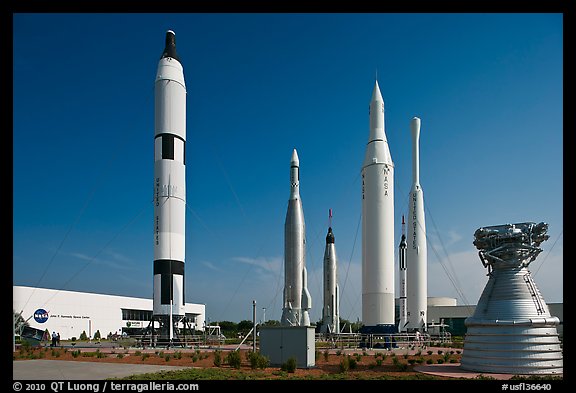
[297, 299]
[169, 183]
[377, 222]
[416, 252]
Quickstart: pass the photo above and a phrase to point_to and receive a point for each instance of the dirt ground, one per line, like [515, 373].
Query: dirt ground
[369, 364]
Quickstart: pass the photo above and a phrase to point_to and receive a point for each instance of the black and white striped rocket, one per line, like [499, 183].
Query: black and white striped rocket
[403, 321]
[297, 299]
[169, 185]
[331, 310]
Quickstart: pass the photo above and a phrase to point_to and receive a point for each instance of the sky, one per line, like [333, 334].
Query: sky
[488, 88]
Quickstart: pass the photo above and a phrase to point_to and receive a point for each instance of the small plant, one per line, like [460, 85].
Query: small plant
[338, 352]
[453, 361]
[405, 355]
[137, 353]
[352, 362]
[218, 358]
[345, 364]
[430, 352]
[177, 355]
[194, 358]
[99, 354]
[290, 365]
[234, 359]
[429, 361]
[378, 362]
[145, 356]
[75, 353]
[120, 355]
[258, 361]
[458, 352]
[325, 355]
[411, 361]
[167, 357]
[440, 352]
[440, 361]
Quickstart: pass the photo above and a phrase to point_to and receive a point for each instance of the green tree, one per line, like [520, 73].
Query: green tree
[245, 326]
[83, 336]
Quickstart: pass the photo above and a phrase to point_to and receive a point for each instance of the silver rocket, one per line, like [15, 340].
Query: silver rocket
[331, 310]
[169, 187]
[377, 222]
[403, 321]
[416, 253]
[297, 300]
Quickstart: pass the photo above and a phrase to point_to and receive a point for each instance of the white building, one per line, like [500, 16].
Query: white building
[72, 313]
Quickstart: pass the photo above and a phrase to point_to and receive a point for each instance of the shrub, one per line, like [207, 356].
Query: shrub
[145, 356]
[378, 362]
[137, 353]
[453, 361]
[167, 357]
[120, 355]
[290, 365]
[345, 364]
[217, 358]
[258, 360]
[326, 355]
[353, 362]
[430, 352]
[429, 361]
[440, 361]
[83, 336]
[234, 359]
[411, 361]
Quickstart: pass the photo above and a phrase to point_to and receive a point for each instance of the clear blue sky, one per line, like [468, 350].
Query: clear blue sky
[488, 88]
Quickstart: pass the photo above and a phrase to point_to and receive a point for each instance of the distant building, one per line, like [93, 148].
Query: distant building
[71, 313]
[445, 310]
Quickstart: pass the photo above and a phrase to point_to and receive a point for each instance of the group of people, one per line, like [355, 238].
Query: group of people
[55, 339]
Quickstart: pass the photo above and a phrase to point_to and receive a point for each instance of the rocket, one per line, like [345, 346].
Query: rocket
[402, 267]
[169, 186]
[331, 310]
[416, 253]
[297, 299]
[377, 222]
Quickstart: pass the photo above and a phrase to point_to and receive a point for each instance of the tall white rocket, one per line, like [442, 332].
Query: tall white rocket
[377, 222]
[169, 185]
[331, 309]
[297, 299]
[416, 253]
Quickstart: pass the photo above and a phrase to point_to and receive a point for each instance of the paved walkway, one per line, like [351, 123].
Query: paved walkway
[70, 370]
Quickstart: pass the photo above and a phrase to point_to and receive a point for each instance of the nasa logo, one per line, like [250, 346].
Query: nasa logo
[40, 315]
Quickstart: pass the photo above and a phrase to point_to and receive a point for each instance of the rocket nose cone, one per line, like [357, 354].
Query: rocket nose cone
[170, 48]
[330, 236]
[415, 127]
[376, 94]
[295, 161]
